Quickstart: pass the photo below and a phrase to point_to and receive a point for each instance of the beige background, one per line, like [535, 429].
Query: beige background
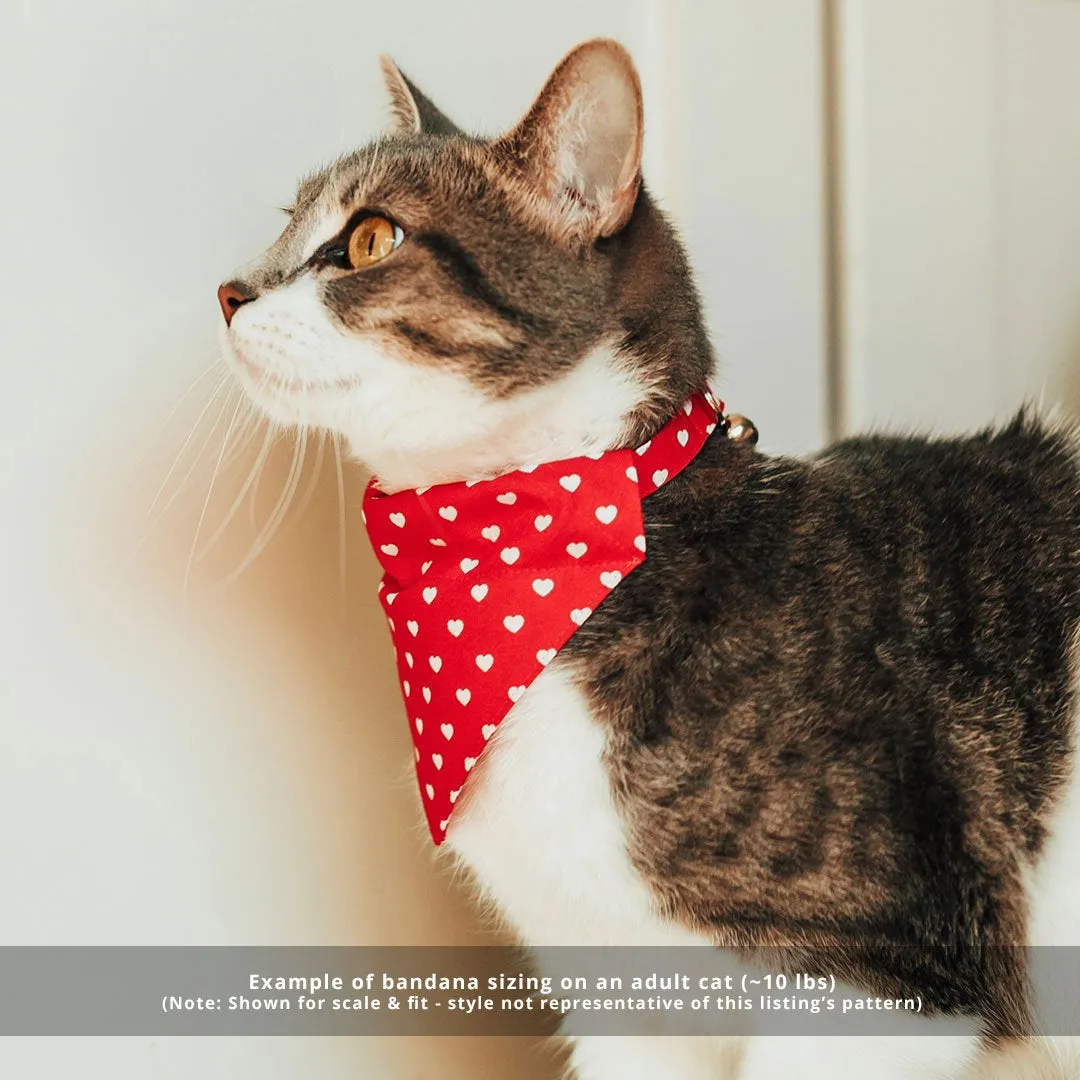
[880, 202]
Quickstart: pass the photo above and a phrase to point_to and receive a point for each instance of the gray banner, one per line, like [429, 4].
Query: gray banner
[474, 991]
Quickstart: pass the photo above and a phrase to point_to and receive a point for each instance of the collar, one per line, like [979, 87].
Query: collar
[485, 580]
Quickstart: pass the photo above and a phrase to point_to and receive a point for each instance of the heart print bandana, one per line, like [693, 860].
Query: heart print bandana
[485, 580]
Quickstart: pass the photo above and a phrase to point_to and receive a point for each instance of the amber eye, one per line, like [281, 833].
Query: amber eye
[373, 239]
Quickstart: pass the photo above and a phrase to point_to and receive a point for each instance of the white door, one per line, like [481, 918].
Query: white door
[959, 224]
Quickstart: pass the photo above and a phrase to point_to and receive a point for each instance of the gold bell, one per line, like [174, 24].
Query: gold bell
[741, 429]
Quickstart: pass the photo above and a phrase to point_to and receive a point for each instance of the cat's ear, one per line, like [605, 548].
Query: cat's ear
[579, 146]
[413, 112]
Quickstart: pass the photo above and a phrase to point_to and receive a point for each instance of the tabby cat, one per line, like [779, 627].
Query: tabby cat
[835, 702]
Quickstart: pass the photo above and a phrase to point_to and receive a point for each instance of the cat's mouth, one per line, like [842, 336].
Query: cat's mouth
[260, 380]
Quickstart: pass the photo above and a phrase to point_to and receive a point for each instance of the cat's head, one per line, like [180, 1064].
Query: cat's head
[456, 306]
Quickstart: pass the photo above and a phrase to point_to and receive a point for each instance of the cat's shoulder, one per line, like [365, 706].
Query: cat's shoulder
[1030, 463]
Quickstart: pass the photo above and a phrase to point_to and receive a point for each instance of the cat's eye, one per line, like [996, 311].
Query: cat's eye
[372, 239]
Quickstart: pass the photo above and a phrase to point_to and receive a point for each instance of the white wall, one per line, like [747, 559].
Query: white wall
[961, 221]
[204, 765]
[232, 765]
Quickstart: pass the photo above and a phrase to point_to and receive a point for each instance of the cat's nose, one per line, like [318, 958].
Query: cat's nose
[232, 296]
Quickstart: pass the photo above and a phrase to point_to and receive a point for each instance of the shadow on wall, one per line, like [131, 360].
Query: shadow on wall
[312, 777]
[1066, 379]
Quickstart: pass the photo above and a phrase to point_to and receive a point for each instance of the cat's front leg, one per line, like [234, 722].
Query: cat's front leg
[928, 1057]
[653, 1057]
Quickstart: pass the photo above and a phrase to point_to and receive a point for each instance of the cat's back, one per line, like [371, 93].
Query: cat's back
[957, 546]
[845, 685]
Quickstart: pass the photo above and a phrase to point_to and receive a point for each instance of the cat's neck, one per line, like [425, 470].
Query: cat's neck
[586, 411]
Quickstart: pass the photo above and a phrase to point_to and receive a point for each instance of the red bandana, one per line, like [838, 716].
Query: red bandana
[486, 580]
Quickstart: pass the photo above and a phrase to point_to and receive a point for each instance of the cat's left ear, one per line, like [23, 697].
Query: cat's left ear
[413, 112]
[579, 146]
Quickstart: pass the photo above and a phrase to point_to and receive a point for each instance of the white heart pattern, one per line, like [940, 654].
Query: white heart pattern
[565, 533]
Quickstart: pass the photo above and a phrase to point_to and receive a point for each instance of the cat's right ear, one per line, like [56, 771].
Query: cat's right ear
[414, 114]
[578, 149]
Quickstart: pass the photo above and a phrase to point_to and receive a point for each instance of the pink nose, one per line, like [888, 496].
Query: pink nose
[232, 296]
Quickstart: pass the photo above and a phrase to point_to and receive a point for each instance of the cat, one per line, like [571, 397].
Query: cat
[834, 704]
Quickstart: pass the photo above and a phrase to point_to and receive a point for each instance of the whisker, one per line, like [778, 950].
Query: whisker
[342, 528]
[152, 521]
[277, 515]
[256, 468]
[190, 435]
[274, 430]
[217, 361]
[249, 425]
[313, 480]
[206, 503]
[374, 157]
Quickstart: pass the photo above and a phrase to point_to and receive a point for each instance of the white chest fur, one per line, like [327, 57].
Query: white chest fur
[542, 834]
